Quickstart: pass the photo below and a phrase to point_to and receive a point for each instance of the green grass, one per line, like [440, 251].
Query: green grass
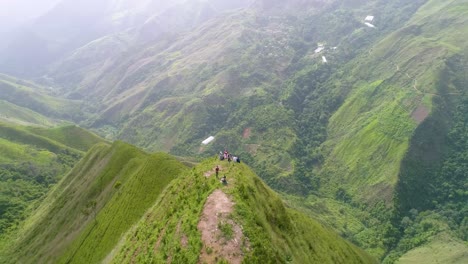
[73, 136]
[28, 96]
[441, 249]
[276, 234]
[15, 114]
[94, 205]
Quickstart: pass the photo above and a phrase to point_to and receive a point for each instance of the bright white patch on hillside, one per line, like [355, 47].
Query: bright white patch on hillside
[369, 18]
[324, 59]
[208, 140]
[369, 25]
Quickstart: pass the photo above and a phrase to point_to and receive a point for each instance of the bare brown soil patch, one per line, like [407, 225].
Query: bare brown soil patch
[217, 245]
[247, 133]
[420, 114]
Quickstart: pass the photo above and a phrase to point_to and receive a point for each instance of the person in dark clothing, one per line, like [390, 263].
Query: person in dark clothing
[223, 180]
[217, 171]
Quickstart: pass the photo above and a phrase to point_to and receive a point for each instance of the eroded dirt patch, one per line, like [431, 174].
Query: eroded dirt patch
[222, 237]
[247, 133]
[420, 114]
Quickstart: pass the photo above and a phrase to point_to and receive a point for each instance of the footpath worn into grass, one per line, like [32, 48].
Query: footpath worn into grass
[266, 231]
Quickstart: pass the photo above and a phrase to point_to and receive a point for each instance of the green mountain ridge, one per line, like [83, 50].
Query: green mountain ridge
[371, 143]
[31, 161]
[116, 190]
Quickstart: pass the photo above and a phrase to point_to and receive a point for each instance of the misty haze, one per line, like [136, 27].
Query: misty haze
[221, 131]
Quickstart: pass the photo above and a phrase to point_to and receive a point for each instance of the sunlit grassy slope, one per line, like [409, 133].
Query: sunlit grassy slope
[388, 141]
[88, 211]
[32, 102]
[114, 205]
[276, 234]
[12, 113]
[404, 75]
[31, 161]
[441, 249]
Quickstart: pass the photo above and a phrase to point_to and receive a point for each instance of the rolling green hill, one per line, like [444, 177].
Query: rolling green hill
[114, 206]
[99, 200]
[30, 103]
[370, 140]
[30, 163]
[263, 229]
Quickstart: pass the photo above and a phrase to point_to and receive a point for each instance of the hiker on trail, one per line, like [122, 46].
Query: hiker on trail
[226, 154]
[234, 159]
[221, 157]
[217, 171]
[238, 160]
[223, 180]
[229, 158]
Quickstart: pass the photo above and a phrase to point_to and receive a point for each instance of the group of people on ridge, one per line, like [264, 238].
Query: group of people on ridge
[225, 156]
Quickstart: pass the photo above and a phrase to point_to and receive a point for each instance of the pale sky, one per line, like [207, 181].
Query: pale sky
[16, 12]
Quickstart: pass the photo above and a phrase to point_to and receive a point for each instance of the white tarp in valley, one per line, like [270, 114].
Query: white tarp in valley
[369, 25]
[369, 18]
[324, 59]
[319, 49]
[208, 140]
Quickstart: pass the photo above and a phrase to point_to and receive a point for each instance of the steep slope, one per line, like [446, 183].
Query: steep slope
[198, 219]
[38, 103]
[231, 75]
[397, 142]
[11, 113]
[31, 161]
[70, 25]
[89, 210]
[111, 207]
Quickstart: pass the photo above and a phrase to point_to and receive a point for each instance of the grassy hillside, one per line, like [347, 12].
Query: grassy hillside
[26, 95]
[269, 232]
[441, 249]
[12, 113]
[397, 142]
[30, 163]
[85, 215]
[250, 78]
[114, 207]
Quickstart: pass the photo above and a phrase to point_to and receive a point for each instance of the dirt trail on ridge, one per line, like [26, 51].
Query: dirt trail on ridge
[218, 244]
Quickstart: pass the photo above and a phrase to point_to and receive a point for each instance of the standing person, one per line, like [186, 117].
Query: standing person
[229, 159]
[217, 171]
[225, 154]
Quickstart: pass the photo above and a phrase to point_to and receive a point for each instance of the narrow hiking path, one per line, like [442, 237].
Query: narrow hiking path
[222, 237]
[415, 84]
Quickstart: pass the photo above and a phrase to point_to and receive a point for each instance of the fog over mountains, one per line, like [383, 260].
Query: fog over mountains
[355, 111]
